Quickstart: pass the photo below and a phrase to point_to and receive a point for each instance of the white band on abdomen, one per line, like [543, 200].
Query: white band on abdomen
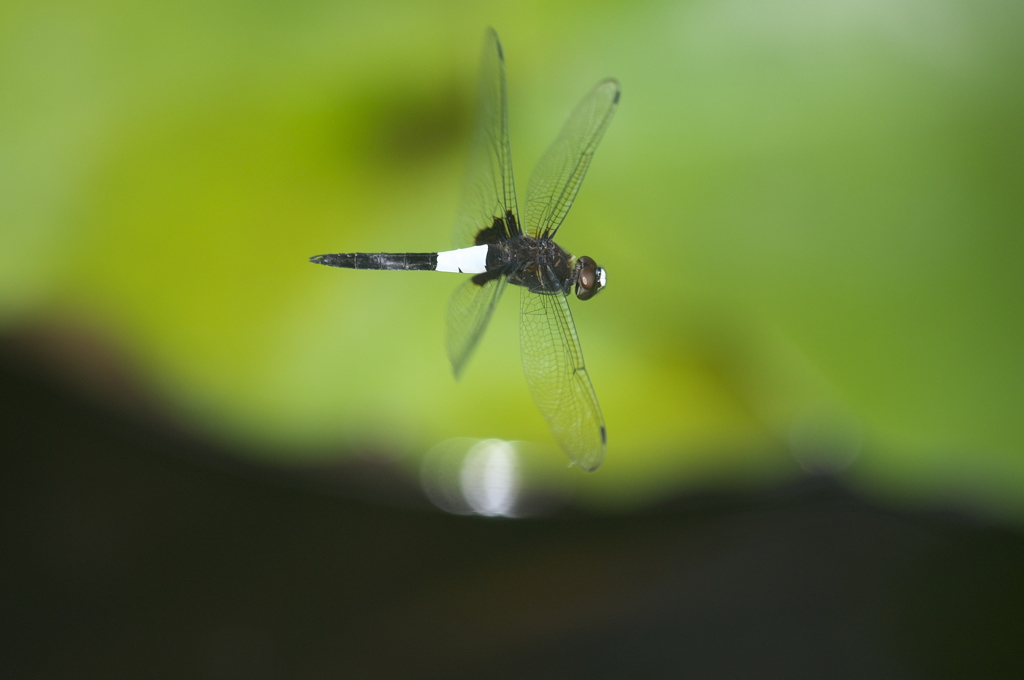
[465, 260]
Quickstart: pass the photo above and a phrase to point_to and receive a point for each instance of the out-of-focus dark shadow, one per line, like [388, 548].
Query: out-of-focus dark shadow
[130, 551]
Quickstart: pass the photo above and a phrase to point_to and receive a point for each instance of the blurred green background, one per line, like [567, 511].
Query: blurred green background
[812, 216]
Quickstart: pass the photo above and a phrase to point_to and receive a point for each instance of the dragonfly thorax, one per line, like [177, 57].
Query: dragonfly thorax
[539, 264]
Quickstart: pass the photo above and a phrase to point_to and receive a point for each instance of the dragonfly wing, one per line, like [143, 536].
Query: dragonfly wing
[469, 310]
[558, 380]
[488, 192]
[557, 178]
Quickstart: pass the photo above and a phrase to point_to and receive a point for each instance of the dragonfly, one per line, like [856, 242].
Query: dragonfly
[497, 248]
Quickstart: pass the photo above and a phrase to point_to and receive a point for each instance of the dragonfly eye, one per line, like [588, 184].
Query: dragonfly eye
[591, 279]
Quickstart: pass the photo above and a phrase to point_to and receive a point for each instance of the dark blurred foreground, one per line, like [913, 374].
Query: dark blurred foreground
[133, 552]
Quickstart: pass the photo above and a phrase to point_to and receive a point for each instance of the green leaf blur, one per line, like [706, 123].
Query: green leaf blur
[811, 214]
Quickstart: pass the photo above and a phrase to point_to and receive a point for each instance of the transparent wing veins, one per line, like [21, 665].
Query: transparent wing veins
[469, 311]
[488, 189]
[557, 178]
[558, 378]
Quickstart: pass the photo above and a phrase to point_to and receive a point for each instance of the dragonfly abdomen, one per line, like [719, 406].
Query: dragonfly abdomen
[388, 261]
[472, 260]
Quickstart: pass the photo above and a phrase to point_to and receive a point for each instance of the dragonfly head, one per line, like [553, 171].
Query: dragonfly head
[590, 279]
